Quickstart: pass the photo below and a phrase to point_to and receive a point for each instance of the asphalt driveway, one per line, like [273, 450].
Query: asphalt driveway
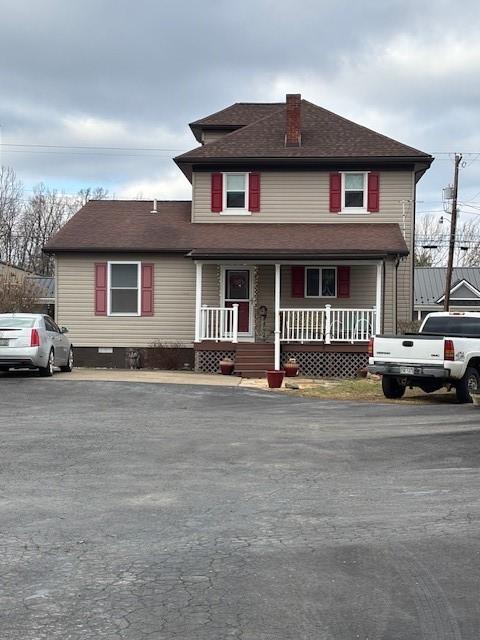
[137, 511]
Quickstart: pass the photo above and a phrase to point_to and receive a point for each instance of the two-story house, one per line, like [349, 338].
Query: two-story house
[298, 241]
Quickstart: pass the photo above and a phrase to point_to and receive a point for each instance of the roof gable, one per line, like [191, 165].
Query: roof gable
[462, 290]
[430, 284]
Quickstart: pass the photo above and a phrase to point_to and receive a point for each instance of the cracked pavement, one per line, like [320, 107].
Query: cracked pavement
[136, 511]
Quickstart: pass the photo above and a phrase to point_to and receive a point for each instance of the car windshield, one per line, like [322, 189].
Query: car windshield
[452, 326]
[16, 322]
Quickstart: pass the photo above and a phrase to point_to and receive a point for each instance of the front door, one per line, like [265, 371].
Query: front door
[238, 291]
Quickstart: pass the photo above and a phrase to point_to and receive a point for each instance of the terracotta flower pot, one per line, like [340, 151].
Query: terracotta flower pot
[291, 369]
[226, 367]
[275, 378]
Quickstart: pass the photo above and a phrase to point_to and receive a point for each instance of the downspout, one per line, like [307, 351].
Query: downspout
[395, 295]
[382, 327]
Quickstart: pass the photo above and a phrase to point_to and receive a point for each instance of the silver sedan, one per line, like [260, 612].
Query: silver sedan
[33, 341]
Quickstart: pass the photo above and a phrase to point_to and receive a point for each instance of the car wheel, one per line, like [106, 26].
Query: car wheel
[392, 389]
[47, 371]
[69, 366]
[469, 383]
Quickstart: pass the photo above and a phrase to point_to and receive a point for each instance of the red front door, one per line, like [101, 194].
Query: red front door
[237, 291]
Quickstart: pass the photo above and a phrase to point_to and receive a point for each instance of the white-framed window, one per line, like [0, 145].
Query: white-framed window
[235, 193]
[124, 292]
[354, 192]
[320, 282]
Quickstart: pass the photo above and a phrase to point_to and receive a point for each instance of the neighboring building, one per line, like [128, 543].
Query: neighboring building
[43, 286]
[430, 289]
[294, 243]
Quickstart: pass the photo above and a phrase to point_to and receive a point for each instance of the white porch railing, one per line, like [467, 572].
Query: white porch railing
[219, 323]
[327, 325]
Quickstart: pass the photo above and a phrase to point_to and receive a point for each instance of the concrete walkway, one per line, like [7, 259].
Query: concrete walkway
[163, 377]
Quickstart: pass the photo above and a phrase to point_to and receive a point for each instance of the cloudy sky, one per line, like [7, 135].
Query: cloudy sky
[132, 74]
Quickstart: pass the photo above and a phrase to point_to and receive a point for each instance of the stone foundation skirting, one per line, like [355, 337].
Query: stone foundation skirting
[173, 358]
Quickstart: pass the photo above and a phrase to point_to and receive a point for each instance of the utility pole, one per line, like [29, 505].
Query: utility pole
[453, 232]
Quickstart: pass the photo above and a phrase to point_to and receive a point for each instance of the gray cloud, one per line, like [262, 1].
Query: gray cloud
[125, 73]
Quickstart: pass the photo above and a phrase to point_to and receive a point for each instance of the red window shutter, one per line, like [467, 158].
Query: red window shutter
[147, 289]
[343, 282]
[217, 192]
[298, 282]
[254, 192]
[101, 288]
[373, 192]
[335, 192]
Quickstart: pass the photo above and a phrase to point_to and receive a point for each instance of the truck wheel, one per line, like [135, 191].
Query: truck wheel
[392, 389]
[468, 384]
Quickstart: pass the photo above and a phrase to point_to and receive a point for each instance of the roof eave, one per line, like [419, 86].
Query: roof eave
[295, 255]
[109, 249]
[420, 162]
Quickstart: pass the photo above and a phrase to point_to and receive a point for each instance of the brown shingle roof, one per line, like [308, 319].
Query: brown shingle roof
[112, 225]
[236, 115]
[325, 135]
[239, 114]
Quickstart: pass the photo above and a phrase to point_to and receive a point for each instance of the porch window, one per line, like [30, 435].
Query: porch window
[124, 288]
[320, 282]
[235, 191]
[354, 192]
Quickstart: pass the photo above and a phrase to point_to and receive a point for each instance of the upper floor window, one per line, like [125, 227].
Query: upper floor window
[321, 282]
[354, 198]
[124, 288]
[236, 189]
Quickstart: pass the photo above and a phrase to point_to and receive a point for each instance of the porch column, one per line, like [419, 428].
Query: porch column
[198, 299]
[379, 299]
[277, 317]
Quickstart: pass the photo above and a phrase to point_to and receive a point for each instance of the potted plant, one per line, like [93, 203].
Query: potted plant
[226, 366]
[475, 398]
[291, 368]
[275, 378]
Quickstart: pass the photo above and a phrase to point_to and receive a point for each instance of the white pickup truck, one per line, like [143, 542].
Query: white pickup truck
[444, 353]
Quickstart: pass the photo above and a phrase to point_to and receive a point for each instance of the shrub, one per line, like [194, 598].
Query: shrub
[411, 326]
[165, 356]
[17, 295]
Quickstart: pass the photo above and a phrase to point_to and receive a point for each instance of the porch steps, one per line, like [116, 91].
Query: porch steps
[252, 360]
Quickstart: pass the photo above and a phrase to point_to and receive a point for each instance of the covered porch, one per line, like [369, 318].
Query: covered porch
[320, 305]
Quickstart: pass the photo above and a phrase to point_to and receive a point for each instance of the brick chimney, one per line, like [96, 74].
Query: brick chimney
[293, 134]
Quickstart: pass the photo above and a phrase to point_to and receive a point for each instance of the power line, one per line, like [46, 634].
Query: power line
[70, 146]
[89, 153]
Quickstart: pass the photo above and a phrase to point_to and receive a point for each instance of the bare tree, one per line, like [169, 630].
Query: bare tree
[431, 243]
[11, 194]
[44, 214]
[17, 295]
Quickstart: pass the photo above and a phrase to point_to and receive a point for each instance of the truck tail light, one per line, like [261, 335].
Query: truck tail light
[370, 347]
[35, 338]
[448, 350]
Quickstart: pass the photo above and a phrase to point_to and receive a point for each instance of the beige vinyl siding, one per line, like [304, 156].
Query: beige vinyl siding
[174, 311]
[211, 285]
[363, 279]
[211, 136]
[389, 298]
[363, 283]
[303, 196]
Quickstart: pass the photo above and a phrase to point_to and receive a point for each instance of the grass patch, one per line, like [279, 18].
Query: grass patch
[366, 390]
